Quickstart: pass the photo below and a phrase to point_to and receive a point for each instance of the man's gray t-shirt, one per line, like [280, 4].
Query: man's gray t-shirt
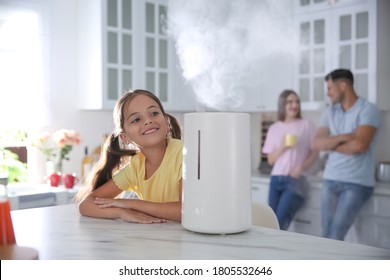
[356, 168]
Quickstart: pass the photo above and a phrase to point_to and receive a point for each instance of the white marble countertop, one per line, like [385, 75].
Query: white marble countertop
[60, 233]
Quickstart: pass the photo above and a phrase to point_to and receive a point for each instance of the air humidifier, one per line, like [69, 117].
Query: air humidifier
[216, 173]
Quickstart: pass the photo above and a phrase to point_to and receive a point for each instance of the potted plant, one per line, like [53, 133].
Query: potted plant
[11, 168]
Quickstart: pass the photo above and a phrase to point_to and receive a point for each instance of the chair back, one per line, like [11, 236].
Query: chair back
[264, 216]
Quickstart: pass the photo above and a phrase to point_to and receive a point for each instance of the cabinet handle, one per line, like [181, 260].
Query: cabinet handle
[302, 221]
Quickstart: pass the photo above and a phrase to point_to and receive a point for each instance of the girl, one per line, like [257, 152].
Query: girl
[143, 155]
[289, 148]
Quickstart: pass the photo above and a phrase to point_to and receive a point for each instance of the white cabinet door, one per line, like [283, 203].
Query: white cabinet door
[354, 47]
[314, 46]
[307, 221]
[124, 45]
[362, 45]
[346, 34]
[374, 222]
[260, 190]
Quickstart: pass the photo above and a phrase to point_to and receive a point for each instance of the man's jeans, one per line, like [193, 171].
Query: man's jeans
[286, 197]
[341, 203]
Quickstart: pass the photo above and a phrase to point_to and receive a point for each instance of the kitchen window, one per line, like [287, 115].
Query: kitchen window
[22, 100]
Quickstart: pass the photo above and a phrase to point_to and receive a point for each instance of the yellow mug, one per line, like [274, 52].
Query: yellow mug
[290, 140]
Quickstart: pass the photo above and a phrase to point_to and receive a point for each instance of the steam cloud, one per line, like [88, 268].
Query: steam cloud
[221, 44]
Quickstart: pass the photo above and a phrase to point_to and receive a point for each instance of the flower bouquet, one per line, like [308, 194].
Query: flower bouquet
[56, 147]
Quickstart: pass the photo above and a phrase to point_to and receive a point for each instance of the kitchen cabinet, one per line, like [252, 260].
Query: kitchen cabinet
[308, 219]
[314, 57]
[274, 75]
[124, 44]
[371, 227]
[373, 222]
[345, 34]
[260, 189]
[105, 52]
[273, 72]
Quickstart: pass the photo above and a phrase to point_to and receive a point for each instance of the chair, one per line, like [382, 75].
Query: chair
[264, 216]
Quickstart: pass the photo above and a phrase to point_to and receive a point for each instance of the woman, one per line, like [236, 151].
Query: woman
[289, 148]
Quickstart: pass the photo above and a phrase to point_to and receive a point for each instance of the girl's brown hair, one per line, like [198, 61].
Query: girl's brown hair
[112, 154]
[282, 104]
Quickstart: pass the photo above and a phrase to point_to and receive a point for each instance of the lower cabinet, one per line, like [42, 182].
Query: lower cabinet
[371, 227]
[260, 189]
[308, 219]
[373, 223]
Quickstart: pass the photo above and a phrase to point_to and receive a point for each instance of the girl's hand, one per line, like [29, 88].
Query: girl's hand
[127, 214]
[134, 216]
[110, 202]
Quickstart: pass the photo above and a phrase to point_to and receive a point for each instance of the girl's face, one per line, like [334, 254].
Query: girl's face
[144, 123]
[292, 106]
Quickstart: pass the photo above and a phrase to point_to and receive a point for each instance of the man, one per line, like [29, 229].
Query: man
[348, 131]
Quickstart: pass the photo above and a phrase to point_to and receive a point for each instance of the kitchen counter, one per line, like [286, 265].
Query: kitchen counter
[60, 233]
[371, 226]
[381, 188]
[26, 195]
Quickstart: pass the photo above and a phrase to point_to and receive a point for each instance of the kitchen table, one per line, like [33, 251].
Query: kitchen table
[60, 233]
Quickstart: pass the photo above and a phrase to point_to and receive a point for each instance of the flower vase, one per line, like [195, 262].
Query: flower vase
[58, 167]
[49, 167]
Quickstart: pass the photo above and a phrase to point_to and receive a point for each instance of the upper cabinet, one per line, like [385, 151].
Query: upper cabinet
[342, 34]
[313, 57]
[106, 53]
[124, 44]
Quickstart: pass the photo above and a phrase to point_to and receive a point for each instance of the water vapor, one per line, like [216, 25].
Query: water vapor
[221, 44]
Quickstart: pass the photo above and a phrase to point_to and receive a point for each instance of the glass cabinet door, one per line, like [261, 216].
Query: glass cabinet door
[353, 45]
[119, 48]
[313, 54]
[156, 42]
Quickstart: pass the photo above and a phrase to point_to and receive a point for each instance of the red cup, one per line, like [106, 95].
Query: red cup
[7, 234]
[54, 179]
[69, 180]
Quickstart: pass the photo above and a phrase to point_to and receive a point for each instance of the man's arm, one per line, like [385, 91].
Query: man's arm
[360, 141]
[324, 142]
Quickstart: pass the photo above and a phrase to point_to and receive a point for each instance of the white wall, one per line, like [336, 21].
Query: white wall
[383, 146]
[63, 89]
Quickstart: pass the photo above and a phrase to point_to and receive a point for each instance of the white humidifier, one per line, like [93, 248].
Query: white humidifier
[216, 173]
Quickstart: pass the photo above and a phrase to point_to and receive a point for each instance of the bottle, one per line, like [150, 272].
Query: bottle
[96, 153]
[86, 165]
[7, 235]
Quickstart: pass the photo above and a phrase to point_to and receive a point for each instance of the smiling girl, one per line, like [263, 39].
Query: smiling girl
[143, 155]
[289, 148]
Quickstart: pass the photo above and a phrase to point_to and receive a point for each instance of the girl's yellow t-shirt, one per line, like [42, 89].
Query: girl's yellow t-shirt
[163, 185]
